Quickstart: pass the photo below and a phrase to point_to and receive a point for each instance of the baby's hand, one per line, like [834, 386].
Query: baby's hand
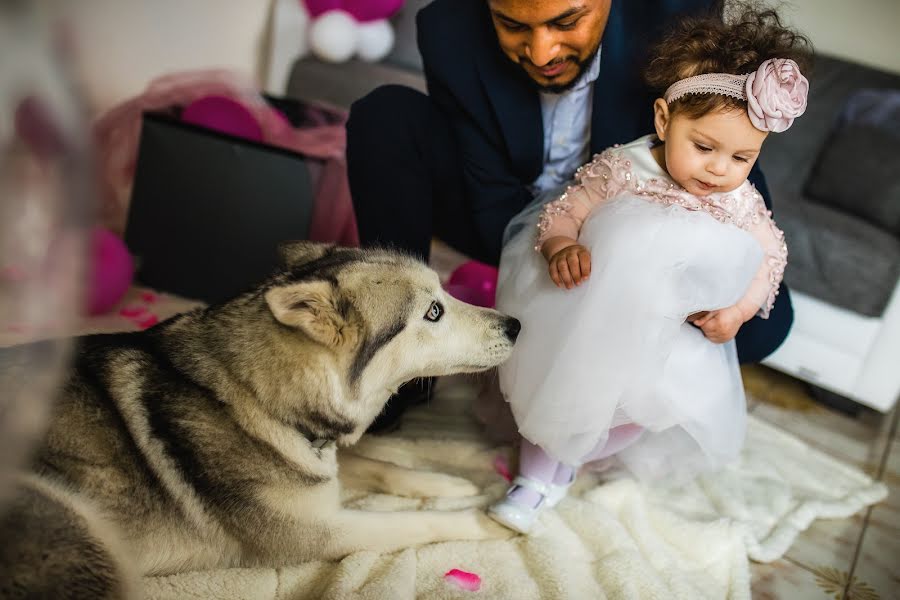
[570, 266]
[721, 325]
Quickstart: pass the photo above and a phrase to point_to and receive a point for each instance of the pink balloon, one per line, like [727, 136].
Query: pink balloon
[111, 271]
[474, 282]
[318, 7]
[371, 10]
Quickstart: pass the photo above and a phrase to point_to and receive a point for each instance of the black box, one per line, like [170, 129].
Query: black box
[208, 210]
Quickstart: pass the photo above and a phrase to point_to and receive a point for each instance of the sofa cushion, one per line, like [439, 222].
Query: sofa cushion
[839, 258]
[858, 168]
[788, 158]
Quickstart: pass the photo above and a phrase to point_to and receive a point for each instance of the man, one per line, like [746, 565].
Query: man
[521, 93]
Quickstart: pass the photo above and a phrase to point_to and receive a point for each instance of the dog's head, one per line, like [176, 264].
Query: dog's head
[384, 318]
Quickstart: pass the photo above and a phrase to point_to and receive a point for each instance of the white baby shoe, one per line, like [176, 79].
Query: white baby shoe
[520, 517]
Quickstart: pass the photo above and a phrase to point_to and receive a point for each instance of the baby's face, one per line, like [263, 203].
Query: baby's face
[713, 153]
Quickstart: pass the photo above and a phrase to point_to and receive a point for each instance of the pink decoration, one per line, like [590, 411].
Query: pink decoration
[225, 115]
[132, 311]
[149, 297]
[146, 322]
[501, 465]
[117, 132]
[363, 11]
[776, 95]
[474, 282]
[111, 271]
[319, 7]
[13, 274]
[467, 581]
[36, 125]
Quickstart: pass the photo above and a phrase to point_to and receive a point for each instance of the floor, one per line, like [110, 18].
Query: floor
[852, 559]
[843, 559]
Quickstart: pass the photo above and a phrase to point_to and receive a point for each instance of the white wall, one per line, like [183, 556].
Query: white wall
[123, 44]
[864, 31]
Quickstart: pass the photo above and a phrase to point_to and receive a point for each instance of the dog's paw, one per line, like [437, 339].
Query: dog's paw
[440, 485]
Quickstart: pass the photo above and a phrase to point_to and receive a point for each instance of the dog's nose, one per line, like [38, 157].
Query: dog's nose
[512, 327]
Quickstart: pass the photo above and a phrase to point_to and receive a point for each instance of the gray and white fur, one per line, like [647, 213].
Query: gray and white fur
[211, 440]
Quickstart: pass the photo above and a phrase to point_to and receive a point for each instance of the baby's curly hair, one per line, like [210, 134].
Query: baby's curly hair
[737, 41]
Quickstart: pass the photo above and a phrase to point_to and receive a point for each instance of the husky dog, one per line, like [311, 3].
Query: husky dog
[210, 440]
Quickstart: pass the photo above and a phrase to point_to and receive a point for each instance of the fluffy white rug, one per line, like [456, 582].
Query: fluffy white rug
[612, 538]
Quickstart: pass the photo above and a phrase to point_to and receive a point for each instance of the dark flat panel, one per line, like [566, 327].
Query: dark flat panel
[209, 210]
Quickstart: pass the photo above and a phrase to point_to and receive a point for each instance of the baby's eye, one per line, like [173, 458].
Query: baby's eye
[742, 159]
[702, 148]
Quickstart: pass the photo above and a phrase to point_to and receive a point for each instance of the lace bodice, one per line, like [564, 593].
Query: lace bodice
[631, 169]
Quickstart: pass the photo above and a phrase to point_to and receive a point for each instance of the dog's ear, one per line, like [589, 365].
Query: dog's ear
[312, 307]
[294, 254]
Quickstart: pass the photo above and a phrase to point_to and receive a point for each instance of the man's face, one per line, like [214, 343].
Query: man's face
[552, 40]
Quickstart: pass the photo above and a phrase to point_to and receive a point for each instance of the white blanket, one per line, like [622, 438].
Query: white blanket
[612, 538]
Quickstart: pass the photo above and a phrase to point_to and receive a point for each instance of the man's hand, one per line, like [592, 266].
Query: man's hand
[569, 261]
[721, 325]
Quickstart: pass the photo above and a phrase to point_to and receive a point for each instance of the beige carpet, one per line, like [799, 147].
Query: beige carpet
[610, 539]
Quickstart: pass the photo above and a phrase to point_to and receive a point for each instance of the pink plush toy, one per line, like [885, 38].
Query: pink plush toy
[111, 271]
[474, 282]
[338, 29]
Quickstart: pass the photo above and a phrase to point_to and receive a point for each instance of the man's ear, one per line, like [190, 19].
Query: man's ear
[294, 254]
[312, 307]
[661, 118]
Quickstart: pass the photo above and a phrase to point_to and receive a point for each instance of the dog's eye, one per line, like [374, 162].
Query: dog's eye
[435, 312]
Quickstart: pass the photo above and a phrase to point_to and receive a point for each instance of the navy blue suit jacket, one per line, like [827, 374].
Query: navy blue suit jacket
[495, 110]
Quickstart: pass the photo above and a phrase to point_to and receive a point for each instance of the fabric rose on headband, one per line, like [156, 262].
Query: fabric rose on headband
[776, 94]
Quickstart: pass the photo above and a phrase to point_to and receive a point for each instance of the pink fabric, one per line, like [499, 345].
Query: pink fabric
[618, 439]
[610, 174]
[117, 133]
[776, 95]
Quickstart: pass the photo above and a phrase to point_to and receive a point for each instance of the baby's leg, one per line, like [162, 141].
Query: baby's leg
[536, 464]
[619, 438]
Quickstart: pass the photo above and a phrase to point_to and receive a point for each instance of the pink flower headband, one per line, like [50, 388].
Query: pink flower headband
[775, 92]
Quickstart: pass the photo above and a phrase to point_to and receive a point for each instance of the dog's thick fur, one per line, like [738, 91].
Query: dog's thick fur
[210, 440]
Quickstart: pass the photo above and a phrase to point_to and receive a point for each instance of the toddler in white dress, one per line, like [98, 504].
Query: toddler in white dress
[643, 271]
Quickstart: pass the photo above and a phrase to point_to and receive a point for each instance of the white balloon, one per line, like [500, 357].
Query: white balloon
[332, 37]
[375, 40]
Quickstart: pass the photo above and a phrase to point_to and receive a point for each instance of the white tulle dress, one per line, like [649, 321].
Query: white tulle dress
[617, 349]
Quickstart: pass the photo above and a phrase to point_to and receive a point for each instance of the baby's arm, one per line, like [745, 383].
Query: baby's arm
[761, 293]
[722, 325]
[563, 217]
[561, 220]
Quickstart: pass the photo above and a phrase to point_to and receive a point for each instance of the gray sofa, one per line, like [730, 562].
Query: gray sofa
[844, 251]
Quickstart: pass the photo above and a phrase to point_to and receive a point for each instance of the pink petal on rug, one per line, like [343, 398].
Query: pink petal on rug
[149, 297]
[146, 322]
[502, 466]
[132, 310]
[467, 581]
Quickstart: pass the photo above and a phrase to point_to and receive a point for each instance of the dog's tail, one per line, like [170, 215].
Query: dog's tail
[56, 546]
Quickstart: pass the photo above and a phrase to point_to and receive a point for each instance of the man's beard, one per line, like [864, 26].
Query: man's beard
[554, 88]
